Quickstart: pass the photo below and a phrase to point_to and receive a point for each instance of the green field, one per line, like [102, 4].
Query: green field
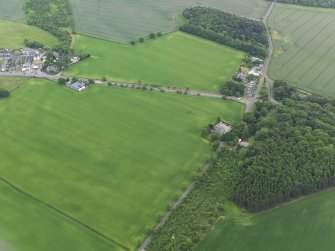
[12, 83]
[304, 47]
[27, 225]
[305, 225]
[12, 35]
[126, 20]
[176, 59]
[11, 9]
[113, 158]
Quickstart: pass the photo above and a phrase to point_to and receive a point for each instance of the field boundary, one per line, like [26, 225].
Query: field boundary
[180, 199]
[63, 214]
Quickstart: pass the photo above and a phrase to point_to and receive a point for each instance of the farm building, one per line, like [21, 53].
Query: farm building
[78, 86]
[222, 128]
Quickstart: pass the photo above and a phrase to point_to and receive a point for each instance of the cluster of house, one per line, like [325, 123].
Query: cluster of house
[250, 76]
[29, 60]
[23, 60]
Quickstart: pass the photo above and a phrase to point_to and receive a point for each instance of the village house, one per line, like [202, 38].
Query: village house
[222, 128]
[78, 86]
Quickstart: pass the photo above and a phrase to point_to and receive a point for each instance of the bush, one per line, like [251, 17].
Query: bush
[62, 81]
[152, 35]
[4, 93]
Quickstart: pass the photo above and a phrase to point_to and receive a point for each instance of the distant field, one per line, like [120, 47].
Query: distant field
[112, 158]
[304, 47]
[305, 225]
[12, 35]
[11, 9]
[124, 20]
[176, 59]
[26, 225]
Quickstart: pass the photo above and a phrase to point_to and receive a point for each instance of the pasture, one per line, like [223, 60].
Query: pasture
[11, 9]
[176, 59]
[12, 35]
[123, 21]
[304, 225]
[304, 47]
[112, 158]
[28, 225]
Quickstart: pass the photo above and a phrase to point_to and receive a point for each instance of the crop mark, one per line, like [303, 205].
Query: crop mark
[310, 54]
[63, 214]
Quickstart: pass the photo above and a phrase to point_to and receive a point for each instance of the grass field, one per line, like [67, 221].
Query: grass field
[112, 158]
[305, 225]
[12, 35]
[176, 59]
[123, 21]
[12, 83]
[11, 9]
[304, 47]
[26, 225]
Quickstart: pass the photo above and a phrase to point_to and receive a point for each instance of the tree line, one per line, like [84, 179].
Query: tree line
[314, 3]
[53, 16]
[224, 28]
[188, 224]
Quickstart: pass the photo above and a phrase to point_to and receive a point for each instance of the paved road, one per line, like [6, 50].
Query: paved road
[270, 51]
[247, 101]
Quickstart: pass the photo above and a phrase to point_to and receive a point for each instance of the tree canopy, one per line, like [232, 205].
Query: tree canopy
[52, 16]
[314, 3]
[238, 32]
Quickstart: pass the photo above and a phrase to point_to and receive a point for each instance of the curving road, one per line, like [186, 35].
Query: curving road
[270, 51]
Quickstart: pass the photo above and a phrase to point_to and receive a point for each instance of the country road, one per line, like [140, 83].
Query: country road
[270, 51]
[245, 100]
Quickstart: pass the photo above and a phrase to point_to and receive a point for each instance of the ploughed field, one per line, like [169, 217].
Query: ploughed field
[175, 60]
[304, 225]
[112, 158]
[304, 48]
[123, 21]
[12, 35]
[11, 9]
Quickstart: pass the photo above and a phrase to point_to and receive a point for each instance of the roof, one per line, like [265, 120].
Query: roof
[77, 85]
[222, 128]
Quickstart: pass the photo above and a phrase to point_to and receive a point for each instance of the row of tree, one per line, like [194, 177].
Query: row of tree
[53, 16]
[188, 224]
[314, 3]
[237, 32]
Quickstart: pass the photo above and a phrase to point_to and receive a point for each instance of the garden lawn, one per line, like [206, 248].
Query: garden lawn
[176, 59]
[112, 158]
[11, 9]
[305, 225]
[127, 20]
[304, 48]
[27, 225]
[12, 35]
